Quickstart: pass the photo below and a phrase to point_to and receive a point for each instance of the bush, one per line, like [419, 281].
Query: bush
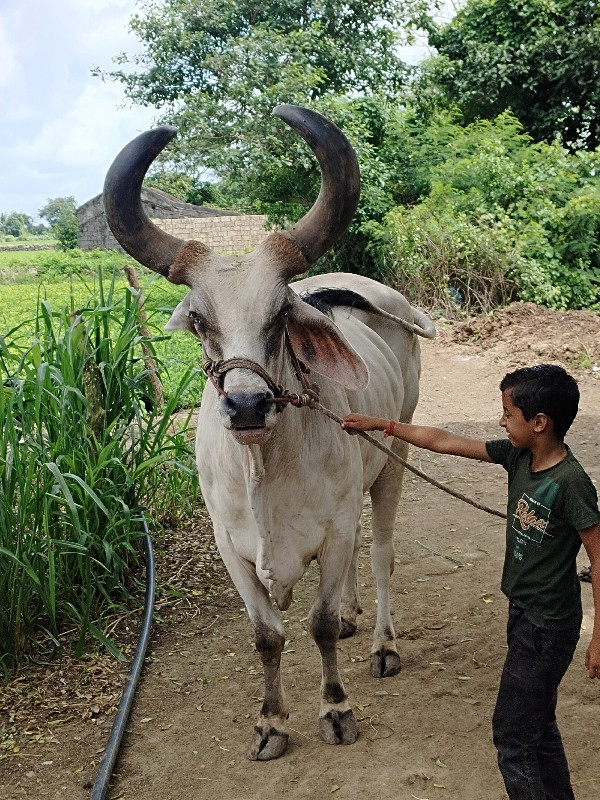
[502, 218]
[449, 262]
[65, 230]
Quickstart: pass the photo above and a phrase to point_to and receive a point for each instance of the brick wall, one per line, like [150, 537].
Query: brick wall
[224, 234]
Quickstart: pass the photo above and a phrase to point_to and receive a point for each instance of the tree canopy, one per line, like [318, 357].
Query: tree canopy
[56, 207]
[217, 68]
[540, 59]
[15, 223]
[466, 191]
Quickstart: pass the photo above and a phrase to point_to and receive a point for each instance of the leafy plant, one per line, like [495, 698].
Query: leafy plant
[83, 448]
[65, 229]
[539, 60]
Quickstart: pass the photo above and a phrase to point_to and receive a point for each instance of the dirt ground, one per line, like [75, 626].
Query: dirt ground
[425, 733]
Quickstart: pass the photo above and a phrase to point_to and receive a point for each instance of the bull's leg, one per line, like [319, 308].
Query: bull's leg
[271, 734]
[351, 608]
[337, 723]
[385, 496]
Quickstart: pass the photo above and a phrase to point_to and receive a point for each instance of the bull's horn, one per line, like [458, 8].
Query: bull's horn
[334, 208]
[125, 215]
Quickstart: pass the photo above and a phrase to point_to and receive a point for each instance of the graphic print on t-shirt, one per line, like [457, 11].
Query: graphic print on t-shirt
[531, 518]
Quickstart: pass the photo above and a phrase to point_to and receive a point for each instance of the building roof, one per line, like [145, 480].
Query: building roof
[157, 204]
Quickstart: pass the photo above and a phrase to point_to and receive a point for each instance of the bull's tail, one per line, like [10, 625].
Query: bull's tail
[421, 324]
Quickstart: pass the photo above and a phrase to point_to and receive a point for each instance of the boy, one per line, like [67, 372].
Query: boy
[552, 508]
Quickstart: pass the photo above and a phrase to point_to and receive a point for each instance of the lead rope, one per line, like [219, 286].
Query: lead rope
[400, 460]
[310, 399]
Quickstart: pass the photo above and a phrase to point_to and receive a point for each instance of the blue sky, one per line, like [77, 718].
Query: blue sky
[61, 126]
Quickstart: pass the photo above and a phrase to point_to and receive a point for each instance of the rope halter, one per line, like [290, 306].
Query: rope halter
[216, 371]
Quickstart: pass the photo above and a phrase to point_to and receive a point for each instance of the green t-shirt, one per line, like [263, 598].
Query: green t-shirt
[545, 512]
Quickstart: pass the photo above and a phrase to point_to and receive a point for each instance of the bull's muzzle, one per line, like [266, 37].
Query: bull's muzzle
[247, 414]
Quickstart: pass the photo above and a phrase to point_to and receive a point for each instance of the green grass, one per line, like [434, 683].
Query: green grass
[73, 277]
[31, 265]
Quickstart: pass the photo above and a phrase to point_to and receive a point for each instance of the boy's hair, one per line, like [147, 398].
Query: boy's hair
[544, 389]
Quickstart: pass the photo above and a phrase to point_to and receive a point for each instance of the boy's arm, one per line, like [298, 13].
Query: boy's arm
[435, 439]
[591, 541]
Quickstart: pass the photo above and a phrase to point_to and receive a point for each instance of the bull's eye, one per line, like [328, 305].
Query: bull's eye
[195, 317]
[285, 312]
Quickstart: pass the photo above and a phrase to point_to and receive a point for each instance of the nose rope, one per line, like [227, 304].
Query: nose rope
[215, 371]
[414, 470]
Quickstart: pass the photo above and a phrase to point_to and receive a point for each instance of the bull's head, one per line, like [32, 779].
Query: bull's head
[241, 307]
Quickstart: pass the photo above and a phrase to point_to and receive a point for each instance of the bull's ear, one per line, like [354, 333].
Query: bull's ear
[322, 347]
[180, 319]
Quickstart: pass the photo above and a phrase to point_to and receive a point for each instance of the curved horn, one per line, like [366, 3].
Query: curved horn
[334, 208]
[126, 217]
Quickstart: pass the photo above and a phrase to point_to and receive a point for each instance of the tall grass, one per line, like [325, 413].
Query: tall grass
[82, 450]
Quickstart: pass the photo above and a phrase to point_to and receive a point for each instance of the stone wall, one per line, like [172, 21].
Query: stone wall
[226, 234]
[94, 233]
[224, 231]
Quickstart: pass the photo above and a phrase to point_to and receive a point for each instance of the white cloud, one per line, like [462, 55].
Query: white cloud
[87, 133]
[8, 57]
[65, 125]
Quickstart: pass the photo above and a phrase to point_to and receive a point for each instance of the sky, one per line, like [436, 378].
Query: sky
[62, 126]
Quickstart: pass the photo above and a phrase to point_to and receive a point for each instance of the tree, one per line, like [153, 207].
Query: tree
[15, 224]
[217, 68]
[56, 207]
[66, 229]
[182, 186]
[539, 59]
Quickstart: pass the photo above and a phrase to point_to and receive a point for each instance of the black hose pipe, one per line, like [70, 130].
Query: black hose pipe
[114, 742]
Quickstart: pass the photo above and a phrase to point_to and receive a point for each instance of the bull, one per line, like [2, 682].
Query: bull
[284, 486]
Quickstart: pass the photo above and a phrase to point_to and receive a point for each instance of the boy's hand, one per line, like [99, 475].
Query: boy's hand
[592, 658]
[362, 422]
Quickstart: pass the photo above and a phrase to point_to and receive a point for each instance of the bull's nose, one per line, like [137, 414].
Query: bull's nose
[246, 410]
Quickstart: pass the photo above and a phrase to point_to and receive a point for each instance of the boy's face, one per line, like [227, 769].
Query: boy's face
[521, 432]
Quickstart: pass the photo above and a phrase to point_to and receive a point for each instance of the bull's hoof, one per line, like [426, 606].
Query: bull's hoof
[338, 728]
[385, 663]
[347, 628]
[267, 743]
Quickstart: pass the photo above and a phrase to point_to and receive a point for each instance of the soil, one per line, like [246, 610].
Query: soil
[425, 733]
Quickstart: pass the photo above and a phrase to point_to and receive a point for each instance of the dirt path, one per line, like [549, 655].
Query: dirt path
[424, 733]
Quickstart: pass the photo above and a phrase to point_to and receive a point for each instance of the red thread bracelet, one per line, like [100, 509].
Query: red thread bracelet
[389, 431]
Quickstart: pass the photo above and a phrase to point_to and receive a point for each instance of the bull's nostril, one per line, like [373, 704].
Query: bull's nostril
[229, 406]
[246, 410]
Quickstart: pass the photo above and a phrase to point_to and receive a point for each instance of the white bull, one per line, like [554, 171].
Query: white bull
[284, 485]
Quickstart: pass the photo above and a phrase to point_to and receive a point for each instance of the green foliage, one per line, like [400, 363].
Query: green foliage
[217, 68]
[65, 229]
[60, 214]
[538, 58]
[184, 187]
[447, 260]
[31, 265]
[82, 449]
[503, 217]
[56, 207]
[54, 275]
[15, 224]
